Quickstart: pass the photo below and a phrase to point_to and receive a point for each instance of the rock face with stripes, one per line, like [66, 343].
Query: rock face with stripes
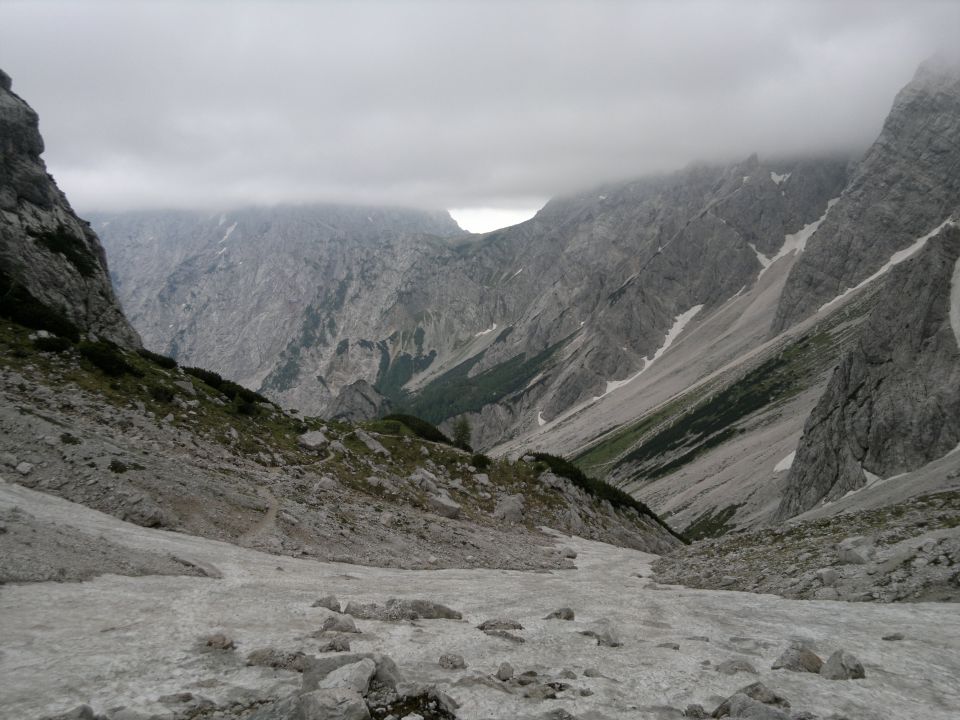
[48, 256]
[893, 403]
[907, 184]
[502, 327]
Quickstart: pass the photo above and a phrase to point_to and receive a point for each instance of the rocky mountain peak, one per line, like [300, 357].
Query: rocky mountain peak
[51, 263]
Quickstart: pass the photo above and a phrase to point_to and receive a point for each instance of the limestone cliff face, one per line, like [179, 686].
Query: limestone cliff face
[303, 302]
[45, 249]
[906, 185]
[893, 404]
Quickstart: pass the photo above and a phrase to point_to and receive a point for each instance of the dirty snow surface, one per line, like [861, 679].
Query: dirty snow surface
[125, 641]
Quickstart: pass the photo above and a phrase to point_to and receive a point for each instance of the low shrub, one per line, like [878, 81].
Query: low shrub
[107, 358]
[480, 461]
[599, 489]
[157, 359]
[420, 428]
[54, 344]
[161, 393]
[18, 305]
[229, 388]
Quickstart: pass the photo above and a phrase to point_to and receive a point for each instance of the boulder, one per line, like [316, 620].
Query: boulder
[563, 613]
[336, 644]
[505, 671]
[452, 661]
[355, 676]
[373, 445]
[278, 659]
[219, 641]
[510, 509]
[395, 609]
[317, 668]
[499, 624]
[445, 506]
[332, 704]
[757, 692]
[842, 666]
[339, 623]
[313, 440]
[856, 550]
[798, 658]
[329, 602]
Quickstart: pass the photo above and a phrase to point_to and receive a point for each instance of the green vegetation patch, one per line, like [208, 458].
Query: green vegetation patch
[456, 393]
[712, 523]
[157, 359]
[74, 249]
[108, 358]
[420, 428]
[20, 306]
[245, 398]
[601, 490]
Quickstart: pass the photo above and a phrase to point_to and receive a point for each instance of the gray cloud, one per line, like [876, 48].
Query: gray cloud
[444, 104]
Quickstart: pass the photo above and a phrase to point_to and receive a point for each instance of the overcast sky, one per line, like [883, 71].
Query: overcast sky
[495, 105]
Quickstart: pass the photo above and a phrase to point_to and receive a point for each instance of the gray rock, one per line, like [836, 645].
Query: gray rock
[732, 667]
[24, 468]
[279, 659]
[509, 509]
[798, 658]
[841, 665]
[452, 661]
[499, 624]
[46, 251]
[875, 414]
[893, 637]
[318, 668]
[757, 692]
[332, 704]
[336, 644]
[219, 641]
[827, 576]
[358, 402]
[395, 609]
[329, 602]
[695, 711]
[355, 676]
[339, 623]
[856, 550]
[742, 706]
[505, 671]
[563, 613]
[902, 188]
[605, 632]
[373, 445]
[313, 440]
[442, 504]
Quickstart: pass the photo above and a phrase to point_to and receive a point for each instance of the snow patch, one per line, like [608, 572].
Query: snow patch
[895, 259]
[487, 331]
[228, 233]
[764, 261]
[515, 274]
[104, 223]
[796, 242]
[540, 421]
[679, 323]
[601, 197]
[786, 463]
[223, 219]
[955, 303]
[777, 178]
[221, 251]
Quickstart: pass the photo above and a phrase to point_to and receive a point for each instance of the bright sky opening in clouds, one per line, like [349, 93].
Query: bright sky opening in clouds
[444, 104]
[483, 219]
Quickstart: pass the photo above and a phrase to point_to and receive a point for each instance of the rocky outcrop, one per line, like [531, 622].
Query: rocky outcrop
[906, 185]
[51, 262]
[357, 402]
[536, 317]
[893, 403]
